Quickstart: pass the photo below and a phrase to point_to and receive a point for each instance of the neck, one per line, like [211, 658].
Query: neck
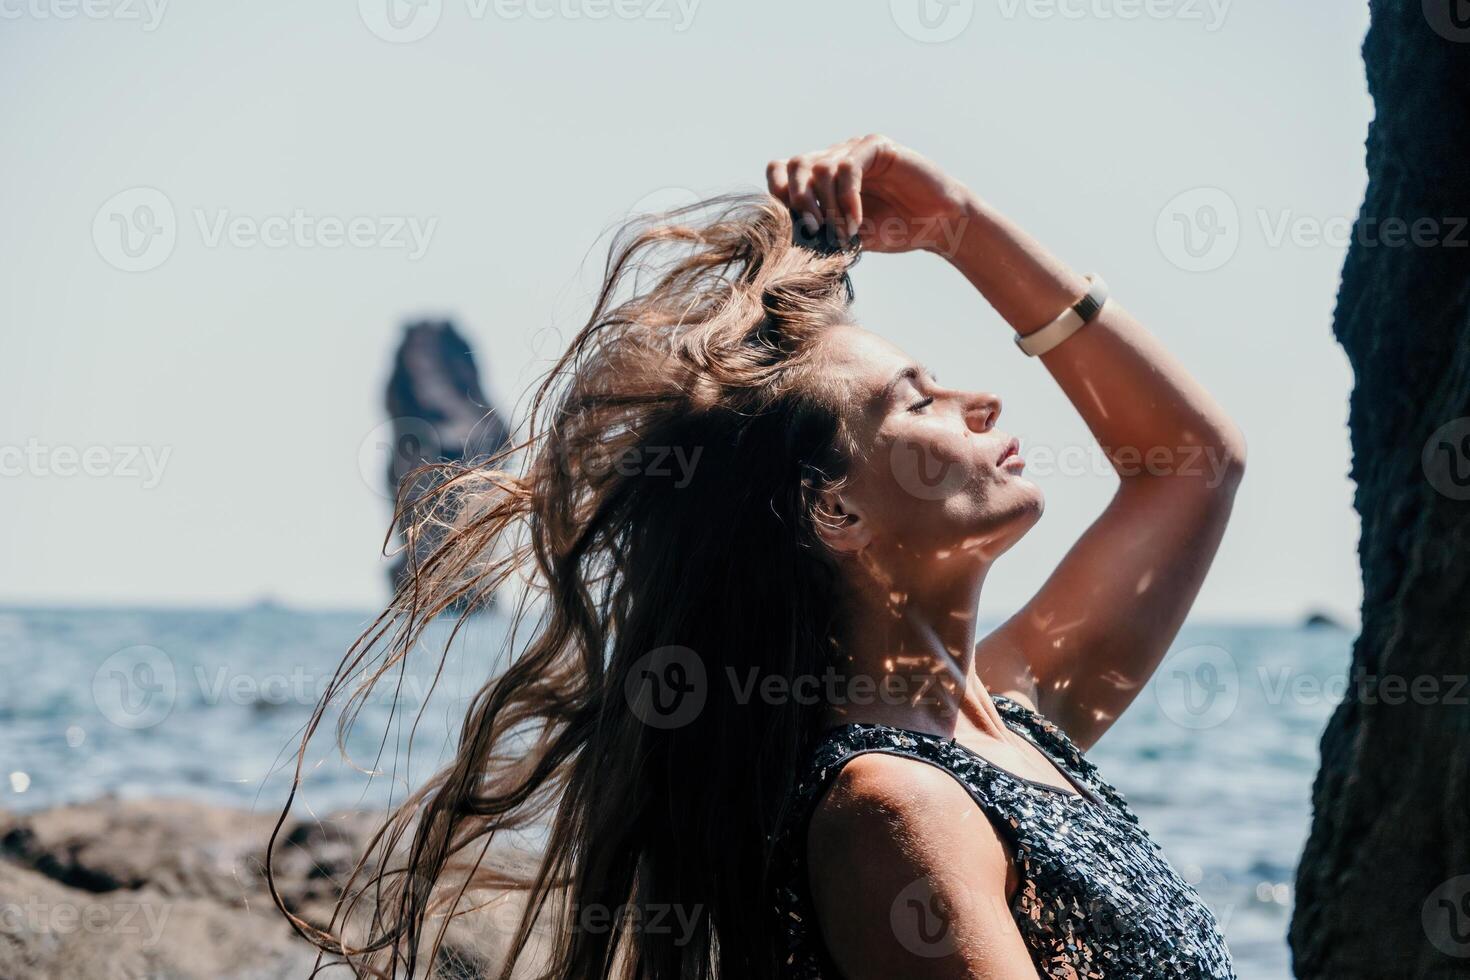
[913, 640]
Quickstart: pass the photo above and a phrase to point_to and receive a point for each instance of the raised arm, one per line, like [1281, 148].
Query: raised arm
[1097, 629]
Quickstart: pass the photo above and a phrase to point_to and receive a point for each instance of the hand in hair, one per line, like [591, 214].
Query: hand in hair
[889, 196]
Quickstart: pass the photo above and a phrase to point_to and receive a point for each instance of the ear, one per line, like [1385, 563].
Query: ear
[840, 524]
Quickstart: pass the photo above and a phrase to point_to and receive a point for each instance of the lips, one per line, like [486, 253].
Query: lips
[1012, 448]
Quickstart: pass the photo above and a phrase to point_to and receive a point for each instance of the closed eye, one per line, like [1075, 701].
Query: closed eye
[919, 406]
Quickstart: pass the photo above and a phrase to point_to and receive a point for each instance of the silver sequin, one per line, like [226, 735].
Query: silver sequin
[1096, 897]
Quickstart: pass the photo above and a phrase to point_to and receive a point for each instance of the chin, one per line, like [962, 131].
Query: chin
[1024, 521]
[1001, 527]
[1034, 499]
[1023, 508]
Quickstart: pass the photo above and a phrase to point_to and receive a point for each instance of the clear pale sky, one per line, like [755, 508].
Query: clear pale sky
[512, 134]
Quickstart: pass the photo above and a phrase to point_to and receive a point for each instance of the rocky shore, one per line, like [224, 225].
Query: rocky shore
[174, 889]
[158, 888]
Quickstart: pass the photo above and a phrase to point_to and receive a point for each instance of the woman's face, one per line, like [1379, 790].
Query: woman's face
[935, 474]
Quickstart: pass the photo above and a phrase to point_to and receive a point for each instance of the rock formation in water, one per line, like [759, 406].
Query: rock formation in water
[438, 408]
[1320, 620]
[1383, 887]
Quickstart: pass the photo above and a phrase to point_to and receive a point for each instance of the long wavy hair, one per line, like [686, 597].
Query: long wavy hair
[637, 580]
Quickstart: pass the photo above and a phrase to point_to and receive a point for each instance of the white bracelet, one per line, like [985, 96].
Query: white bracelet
[1073, 318]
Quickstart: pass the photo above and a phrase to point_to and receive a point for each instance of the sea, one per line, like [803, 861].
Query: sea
[1217, 754]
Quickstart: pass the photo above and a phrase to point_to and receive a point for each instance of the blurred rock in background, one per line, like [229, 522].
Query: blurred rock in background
[439, 411]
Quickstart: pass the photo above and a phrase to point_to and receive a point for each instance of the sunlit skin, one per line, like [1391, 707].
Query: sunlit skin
[914, 562]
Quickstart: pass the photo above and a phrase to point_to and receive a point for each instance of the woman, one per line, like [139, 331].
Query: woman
[753, 712]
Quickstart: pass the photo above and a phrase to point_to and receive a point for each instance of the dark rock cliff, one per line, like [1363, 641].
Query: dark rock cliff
[1383, 887]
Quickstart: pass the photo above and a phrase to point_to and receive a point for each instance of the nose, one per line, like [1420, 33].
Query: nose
[982, 411]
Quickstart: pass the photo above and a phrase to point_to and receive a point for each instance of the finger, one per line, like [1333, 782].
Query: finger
[801, 197]
[874, 154]
[776, 180]
[849, 194]
[824, 181]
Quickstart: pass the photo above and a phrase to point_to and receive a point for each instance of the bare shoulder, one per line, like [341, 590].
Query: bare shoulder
[880, 793]
[893, 835]
[900, 810]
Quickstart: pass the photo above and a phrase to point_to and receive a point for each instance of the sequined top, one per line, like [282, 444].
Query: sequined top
[1096, 897]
